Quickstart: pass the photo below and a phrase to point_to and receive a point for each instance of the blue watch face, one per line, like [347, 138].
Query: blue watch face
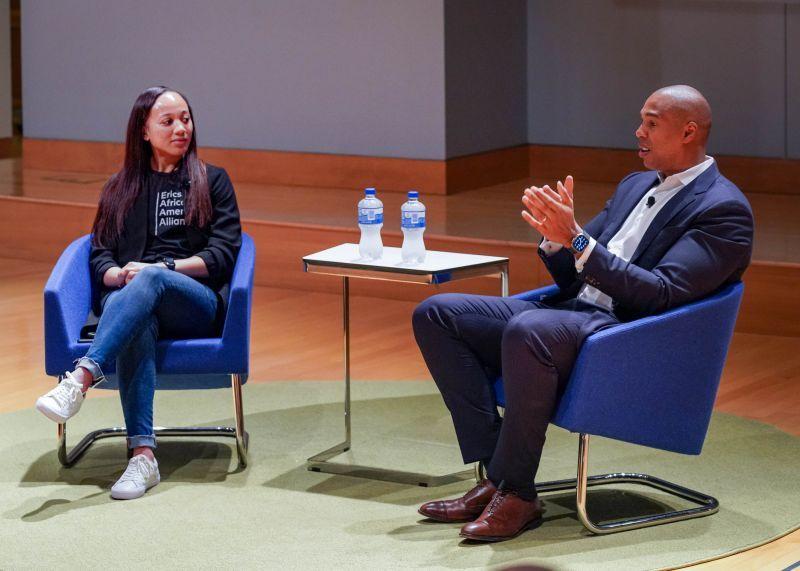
[580, 242]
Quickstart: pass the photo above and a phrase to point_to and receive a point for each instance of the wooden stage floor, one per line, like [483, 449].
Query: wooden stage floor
[296, 334]
[491, 213]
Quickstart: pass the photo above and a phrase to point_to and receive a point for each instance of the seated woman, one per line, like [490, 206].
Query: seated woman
[165, 240]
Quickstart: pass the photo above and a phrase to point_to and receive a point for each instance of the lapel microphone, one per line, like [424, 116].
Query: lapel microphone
[651, 200]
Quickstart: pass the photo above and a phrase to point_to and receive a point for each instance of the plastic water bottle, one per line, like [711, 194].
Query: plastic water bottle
[412, 221]
[370, 220]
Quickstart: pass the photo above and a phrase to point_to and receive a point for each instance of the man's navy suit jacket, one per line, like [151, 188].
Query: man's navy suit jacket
[701, 239]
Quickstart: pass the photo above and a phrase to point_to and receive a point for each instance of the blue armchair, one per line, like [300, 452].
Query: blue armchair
[651, 382]
[182, 364]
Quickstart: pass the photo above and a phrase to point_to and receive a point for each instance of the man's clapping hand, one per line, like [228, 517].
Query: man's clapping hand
[552, 213]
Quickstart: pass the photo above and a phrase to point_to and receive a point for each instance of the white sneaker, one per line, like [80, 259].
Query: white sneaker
[62, 402]
[140, 475]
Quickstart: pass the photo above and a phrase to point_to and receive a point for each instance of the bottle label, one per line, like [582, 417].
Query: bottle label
[413, 220]
[370, 215]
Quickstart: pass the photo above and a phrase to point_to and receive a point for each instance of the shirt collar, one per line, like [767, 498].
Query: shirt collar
[681, 179]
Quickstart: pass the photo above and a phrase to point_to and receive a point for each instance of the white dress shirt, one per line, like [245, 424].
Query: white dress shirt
[624, 243]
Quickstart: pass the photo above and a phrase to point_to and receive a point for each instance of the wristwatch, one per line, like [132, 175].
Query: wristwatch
[579, 243]
[169, 262]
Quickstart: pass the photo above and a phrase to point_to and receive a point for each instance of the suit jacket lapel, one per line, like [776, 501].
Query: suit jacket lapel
[630, 198]
[681, 200]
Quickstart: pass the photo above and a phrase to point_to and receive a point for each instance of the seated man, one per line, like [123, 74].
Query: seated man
[669, 235]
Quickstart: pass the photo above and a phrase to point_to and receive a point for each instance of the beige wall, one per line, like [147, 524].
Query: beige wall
[355, 77]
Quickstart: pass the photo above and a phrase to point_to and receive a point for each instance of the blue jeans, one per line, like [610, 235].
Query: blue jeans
[156, 301]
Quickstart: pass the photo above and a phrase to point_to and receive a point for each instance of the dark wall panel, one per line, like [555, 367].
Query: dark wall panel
[485, 69]
[592, 64]
[793, 81]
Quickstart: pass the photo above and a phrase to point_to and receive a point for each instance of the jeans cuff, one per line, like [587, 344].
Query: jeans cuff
[93, 368]
[148, 440]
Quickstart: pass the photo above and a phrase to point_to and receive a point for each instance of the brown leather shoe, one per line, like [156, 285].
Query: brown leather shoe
[466, 508]
[506, 516]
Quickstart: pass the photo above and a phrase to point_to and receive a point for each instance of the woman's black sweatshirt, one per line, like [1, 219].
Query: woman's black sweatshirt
[155, 227]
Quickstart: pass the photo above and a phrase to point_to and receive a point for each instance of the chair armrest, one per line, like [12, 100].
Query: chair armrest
[653, 381]
[537, 294]
[236, 331]
[67, 301]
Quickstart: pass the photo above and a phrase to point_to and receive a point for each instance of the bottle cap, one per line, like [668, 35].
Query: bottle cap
[369, 191]
[413, 194]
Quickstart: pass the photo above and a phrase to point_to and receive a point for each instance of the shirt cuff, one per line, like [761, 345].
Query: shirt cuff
[101, 271]
[585, 255]
[211, 263]
[548, 247]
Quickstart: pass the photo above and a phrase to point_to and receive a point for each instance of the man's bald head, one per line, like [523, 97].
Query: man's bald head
[688, 105]
[676, 121]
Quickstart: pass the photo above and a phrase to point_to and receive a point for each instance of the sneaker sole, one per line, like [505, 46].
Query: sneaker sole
[49, 413]
[132, 495]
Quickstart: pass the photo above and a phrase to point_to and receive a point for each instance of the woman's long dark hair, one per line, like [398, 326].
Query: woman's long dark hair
[121, 190]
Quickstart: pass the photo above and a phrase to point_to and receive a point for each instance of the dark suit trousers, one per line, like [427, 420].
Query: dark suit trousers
[467, 341]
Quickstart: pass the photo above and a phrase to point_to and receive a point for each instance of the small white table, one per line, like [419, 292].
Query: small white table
[438, 268]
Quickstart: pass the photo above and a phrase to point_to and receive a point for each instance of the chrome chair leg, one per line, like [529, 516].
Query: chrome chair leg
[68, 458]
[707, 505]
[242, 437]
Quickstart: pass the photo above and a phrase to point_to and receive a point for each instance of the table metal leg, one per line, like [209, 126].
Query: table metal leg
[504, 282]
[320, 462]
[346, 336]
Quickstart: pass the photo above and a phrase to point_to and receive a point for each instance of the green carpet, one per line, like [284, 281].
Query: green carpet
[276, 514]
